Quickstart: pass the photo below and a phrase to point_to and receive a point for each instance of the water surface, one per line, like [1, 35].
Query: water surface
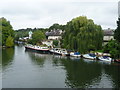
[26, 69]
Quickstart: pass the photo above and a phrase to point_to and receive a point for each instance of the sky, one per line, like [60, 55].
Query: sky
[44, 13]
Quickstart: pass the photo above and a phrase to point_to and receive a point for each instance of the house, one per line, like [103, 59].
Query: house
[108, 35]
[54, 34]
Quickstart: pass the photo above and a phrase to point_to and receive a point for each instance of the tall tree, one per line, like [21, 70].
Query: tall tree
[6, 30]
[117, 31]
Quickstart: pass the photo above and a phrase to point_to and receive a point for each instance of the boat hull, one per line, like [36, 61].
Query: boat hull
[75, 55]
[37, 50]
[59, 53]
[107, 60]
[88, 57]
[117, 61]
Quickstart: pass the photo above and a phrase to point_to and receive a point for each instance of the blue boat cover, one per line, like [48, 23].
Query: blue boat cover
[92, 55]
[76, 53]
[105, 56]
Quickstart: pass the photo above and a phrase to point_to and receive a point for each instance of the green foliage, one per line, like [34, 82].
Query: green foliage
[55, 42]
[0, 39]
[30, 41]
[6, 30]
[44, 45]
[9, 41]
[117, 31]
[113, 47]
[37, 37]
[57, 26]
[24, 32]
[83, 35]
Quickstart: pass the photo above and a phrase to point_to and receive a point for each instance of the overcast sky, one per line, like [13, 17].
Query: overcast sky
[44, 13]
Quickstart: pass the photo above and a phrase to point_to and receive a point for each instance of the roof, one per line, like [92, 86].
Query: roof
[108, 32]
[54, 33]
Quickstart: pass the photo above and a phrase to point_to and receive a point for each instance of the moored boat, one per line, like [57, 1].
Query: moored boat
[89, 56]
[59, 51]
[117, 60]
[37, 48]
[75, 54]
[105, 58]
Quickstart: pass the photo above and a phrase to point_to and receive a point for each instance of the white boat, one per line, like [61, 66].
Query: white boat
[105, 58]
[37, 48]
[75, 54]
[89, 56]
[59, 51]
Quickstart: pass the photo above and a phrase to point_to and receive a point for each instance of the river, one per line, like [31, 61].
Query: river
[26, 69]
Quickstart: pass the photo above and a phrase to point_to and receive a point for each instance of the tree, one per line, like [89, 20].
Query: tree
[6, 30]
[83, 35]
[57, 26]
[37, 37]
[112, 47]
[0, 39]
[9, 41]
[117, 31]
[55, 42]
[20, 33]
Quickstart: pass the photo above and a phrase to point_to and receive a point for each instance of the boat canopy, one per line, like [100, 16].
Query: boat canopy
[105, 56]
[92, 55]
[77, 53]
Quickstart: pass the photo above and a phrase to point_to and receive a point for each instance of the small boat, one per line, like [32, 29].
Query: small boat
[37, 48]
[59, 51]
[117, 60]
[105, 58]
[75, 54]
[89, 56]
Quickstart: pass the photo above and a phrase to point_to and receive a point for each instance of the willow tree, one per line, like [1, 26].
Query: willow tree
[81, 34]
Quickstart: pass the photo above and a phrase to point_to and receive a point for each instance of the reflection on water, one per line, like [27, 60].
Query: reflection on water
[0, 68]
[80, 74]
[26, 69]
[37, 58]
[7, 56]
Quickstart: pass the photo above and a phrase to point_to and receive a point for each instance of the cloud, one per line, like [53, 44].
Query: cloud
[43, 13]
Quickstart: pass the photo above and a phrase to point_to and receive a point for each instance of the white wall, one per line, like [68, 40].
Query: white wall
[107, 38]
[48, 43]
[54, 37]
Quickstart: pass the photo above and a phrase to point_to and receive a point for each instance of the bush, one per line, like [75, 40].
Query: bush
[113, 47]
[9, 42]
[37, 37]
[55, 42]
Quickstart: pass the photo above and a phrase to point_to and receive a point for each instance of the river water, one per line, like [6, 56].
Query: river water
[26, 69]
